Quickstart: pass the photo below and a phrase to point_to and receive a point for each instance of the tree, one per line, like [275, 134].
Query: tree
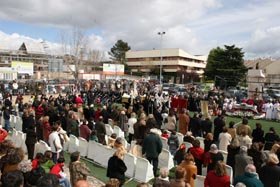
[96, 57]
[226, 66]
[74, 43]
[117, 52]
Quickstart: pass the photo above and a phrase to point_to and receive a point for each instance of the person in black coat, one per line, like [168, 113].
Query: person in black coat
[100, 130]
[195, 125]
[219, 123]
[206, 126]
[116, 166]
[233, 149]
[256, 154]
[258, 134]
[27, 121]
[31, 139]
[270, 138]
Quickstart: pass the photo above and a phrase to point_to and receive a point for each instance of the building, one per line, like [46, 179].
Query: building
[31, 61]
[177, 65]
[271, 70]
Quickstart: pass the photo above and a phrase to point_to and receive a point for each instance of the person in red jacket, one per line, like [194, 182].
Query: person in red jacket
[78, 100]
[58, 171]
[3, 134]
[217, 177]
[36, 161]
[198, 154]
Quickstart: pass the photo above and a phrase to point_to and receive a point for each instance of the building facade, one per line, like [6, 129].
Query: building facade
[41, 65]
[270, 68]
[177, 65]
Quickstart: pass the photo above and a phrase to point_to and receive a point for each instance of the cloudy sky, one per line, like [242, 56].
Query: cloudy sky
[193, 25]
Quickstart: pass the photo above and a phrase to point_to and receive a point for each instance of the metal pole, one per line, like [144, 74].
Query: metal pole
[160, 53]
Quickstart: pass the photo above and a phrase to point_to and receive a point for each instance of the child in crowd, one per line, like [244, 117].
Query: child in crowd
[3, 134]
[93, 136]
[36, 160]
[112, 139]
[46, 163]
[173, 142]
[165, 134]
[58, 170]
[180, 154]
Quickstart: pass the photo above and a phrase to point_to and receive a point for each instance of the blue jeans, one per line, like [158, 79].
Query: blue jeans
[7, 125]
[64, 182]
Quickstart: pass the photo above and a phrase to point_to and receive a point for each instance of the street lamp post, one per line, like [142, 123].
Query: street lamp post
[160, 67]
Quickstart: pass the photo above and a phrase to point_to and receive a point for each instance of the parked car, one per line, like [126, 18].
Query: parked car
[274, 93]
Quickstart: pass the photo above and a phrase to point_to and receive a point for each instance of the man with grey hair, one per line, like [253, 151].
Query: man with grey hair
[241, 161]
[163, 179]
[249, 178]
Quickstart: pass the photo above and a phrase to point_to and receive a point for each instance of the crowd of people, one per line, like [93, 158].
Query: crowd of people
[145, 115]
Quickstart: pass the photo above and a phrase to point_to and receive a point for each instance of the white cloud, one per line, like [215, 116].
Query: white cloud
[265, 42]
[135, 21]
[196, 26]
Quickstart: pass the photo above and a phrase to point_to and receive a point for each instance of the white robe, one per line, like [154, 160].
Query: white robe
[268, 110]
[275, 111]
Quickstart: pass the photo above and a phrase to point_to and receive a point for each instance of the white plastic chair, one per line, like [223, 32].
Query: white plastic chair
[106, 139]
[83, 147]
[204, 171]
[14, 135]
[230, 173]
[225, 154]
[41, 147]
[18, 123]
[199, 181]
[165, 159]
[23, 145]
[188, 145]
[103, 154]
[164, 143]
[143, 170]
[201, 140]
[20, 139]
[130, 161]
[12, 121]
[109, 129]
[73, 144]
[132, 143]
[180, 138]
[118, 131]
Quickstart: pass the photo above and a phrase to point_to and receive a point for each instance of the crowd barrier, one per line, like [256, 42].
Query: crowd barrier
[15, 122]
[109, 129]
[164, 143]
[118, 131]
[180, 138]
[165, 159]
[138, 168]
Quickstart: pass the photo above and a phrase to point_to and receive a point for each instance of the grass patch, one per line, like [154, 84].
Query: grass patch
[266, 124]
